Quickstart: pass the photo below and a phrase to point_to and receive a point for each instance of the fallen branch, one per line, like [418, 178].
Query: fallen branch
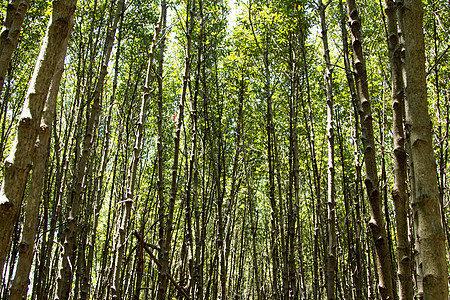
[175, 283]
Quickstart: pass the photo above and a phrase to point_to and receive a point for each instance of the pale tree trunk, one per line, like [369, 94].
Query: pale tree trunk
[331, 222]
[426, 208]
[20, 282]
[15, 14]
[100, 197]
[399, 192]
[68, 260]
[18, 163]
[376, 222]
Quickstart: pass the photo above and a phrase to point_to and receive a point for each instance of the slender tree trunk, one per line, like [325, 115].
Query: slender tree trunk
[163, 253]
[18, 163]
[124, 220]
[427, 213]
[165, 259]
[399, 192]
[254, 232]
[197, 288]
[293, 196]
[316, 193]
[20, 281]
[357, 272]
[376, 222]
[331, 258]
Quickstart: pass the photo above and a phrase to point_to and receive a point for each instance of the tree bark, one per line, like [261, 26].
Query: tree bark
[18, 163]
[23, 268]
[426, 208]
[376, 222]
[399, 192]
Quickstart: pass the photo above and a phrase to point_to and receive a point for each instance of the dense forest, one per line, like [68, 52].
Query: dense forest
[213, 149]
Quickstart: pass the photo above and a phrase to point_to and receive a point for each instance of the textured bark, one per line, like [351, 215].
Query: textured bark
[20, 282]
[426, 208]
[399, 192]
[15, 14]
[68, 260]
[376, 222]
[356, 215]
[18, 163]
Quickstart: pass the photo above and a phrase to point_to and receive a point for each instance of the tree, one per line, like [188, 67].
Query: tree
[426, 208]
[376, 223]
[212, 159]
[18, 163]
[331, 211]
[399, 192]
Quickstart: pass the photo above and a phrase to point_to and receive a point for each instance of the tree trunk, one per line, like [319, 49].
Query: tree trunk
[23, 268]
[18, 163]
[427, 213]
[357, 272]
[399, 192]
[331, 222]
[163, 253]
[376, 222]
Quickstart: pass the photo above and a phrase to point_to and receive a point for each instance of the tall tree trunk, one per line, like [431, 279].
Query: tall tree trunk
[254, 232]
[427, 213]
[331, 211]
[165, 258]
[399, 192]
[126, 211]
[316, 192]
[163, 253]
[197, 288]
[376, 222]
[23, 268]
[18, 163]
[357, 272]
[293, 195]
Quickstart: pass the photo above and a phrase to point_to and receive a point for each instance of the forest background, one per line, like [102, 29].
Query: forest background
[203, 149]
